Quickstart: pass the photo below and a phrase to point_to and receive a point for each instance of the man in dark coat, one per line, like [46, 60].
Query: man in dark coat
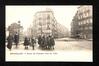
[33, 42]
[47, 42]
[16, 39]
[10, 40]
[51, 42]
[26, 42]
[39, 40]
[44, 42]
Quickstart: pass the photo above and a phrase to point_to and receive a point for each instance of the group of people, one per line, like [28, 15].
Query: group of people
[44, 42]
[29, 42]
[11, 39]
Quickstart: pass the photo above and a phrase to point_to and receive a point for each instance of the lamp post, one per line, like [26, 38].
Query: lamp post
[19, 29]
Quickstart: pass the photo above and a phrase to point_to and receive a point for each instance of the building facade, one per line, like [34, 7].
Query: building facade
[62, 31]
[82, 22]
[45, 24]
[74, 27]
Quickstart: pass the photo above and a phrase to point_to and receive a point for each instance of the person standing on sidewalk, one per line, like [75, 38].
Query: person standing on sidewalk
[9, 40]
[39, 40]
[43, 44]
[33, 42]
[16, 39]
[51, 42]
[26, 43]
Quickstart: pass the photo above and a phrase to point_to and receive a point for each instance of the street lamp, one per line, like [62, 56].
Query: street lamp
[19, 29]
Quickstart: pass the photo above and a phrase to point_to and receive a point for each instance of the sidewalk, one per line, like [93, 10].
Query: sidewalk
[72, 39]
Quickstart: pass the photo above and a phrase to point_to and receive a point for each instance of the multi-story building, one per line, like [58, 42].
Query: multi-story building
[82, 22]
[74, 27]
[45, 23]
[29, 32]
[62, 31]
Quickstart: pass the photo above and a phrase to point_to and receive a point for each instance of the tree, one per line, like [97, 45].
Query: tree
[13, 28]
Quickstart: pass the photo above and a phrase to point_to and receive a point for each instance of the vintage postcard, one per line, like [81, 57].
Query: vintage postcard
[49, 33]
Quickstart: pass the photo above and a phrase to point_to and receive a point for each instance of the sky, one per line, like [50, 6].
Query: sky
[25, 14]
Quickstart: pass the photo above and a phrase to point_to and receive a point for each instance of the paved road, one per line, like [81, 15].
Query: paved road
[73, 45]
[64, 51]
[64, 45]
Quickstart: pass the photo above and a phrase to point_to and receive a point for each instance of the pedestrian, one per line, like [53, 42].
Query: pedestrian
[33, 42]
[26, 42]
[16, 39]
[39, 40]
[51, 42]
[45, 41]
[9, 40]
[48, 42]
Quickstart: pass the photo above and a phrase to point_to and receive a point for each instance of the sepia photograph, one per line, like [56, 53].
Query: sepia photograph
[49, 33]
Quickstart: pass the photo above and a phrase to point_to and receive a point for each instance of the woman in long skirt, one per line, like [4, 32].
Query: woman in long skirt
[10, 40]
[26, 42]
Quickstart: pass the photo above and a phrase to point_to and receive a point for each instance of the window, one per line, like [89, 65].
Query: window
[84, 15]
[91, 12]
[79, 23]
[48, 27]
[39, 28]
[39, 18]
[90, 20]
[87, 14]
[83, 10]
[86, 21]
[90, 27]
[48, 22]
[48, 17]
[40, 23]
[83, 22]
[86, 28]
[80, 16]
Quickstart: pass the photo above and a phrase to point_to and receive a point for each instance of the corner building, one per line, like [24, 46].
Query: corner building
[82, 22]
[46, 24]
